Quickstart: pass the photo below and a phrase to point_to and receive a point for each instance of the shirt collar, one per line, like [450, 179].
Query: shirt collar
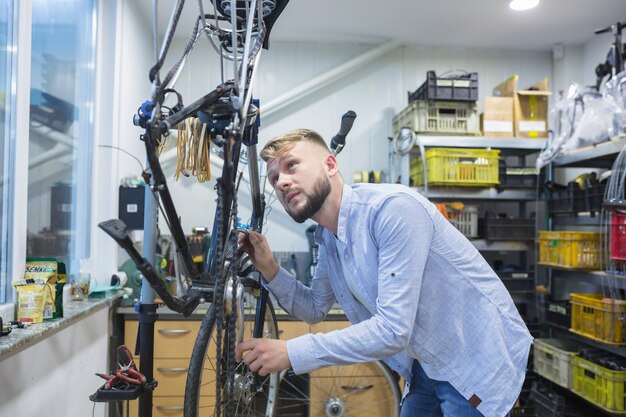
[342, 222]
[344, 213]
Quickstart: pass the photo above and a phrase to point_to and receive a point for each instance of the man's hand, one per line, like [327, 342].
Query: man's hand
[264, 356]
[256, 246]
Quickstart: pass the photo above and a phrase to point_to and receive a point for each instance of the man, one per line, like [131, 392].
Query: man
[419, 295]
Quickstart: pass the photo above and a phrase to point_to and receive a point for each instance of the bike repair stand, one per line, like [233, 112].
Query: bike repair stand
[146, 307]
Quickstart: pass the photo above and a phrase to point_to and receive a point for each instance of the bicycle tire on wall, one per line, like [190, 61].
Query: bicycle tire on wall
[363, 389]
[200, 386]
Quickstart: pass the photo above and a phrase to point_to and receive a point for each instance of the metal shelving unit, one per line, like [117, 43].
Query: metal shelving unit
[461, 193]
[509, 147]
[561, 280]
[600, 155]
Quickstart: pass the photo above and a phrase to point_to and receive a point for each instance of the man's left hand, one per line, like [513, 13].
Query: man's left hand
[264, 356]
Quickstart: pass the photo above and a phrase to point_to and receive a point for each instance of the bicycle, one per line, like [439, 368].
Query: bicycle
[239, 305]
[614, 63]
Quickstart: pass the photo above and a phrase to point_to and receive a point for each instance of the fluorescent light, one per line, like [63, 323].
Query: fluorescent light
[523, 4]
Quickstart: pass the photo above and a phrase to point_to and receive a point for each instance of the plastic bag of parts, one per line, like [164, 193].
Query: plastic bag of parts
[562, 121]
[583, 117]
[596, 124]
[615, 90]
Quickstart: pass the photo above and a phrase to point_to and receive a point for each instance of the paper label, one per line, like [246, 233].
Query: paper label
[131, 208]
[532, 126]
[497, 126]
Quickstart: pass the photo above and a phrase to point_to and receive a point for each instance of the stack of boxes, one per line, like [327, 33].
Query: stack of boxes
[512, 113]
[444, 106]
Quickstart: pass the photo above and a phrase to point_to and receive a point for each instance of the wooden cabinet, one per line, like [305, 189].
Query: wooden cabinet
[173, 344]
[359, 386]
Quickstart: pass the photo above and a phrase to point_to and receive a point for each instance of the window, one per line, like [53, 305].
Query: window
[7, 134]
[61, 129]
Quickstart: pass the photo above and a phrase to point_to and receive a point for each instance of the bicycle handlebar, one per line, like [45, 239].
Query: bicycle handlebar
[339, 140]
[620, 26]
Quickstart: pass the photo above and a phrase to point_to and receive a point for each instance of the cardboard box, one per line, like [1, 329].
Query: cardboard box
[506, 88]
[497, 119]
[530, 107]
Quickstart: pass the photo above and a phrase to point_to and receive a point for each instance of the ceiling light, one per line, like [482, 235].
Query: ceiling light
[523, 4]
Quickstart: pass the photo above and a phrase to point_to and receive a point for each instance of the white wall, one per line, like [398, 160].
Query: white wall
[594, 53]
[55, 377]
[376, 91]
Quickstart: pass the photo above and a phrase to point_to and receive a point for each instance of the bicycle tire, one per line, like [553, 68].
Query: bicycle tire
[348, 391]
[200, 386]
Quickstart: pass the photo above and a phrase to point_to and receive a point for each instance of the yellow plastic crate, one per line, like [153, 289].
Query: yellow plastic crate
[601, 386]
[570, 250]
[458, 167]
[599, 318]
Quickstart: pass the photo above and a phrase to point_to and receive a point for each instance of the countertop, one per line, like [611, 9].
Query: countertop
[73, 311]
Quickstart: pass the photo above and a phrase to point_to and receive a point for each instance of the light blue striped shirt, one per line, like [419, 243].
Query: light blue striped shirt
[434, 296]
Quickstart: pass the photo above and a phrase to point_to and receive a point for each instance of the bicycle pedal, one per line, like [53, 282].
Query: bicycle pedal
[129, 392]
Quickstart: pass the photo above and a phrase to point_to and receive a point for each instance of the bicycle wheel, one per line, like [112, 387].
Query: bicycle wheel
[249, 396]
[365, 389]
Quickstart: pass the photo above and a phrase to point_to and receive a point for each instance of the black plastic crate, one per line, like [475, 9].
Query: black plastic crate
[559, 313]
[594, 197]
[518, 283]
[517, 177]
[569, 200]
[508, 228]
[459, 88]
[548, 403]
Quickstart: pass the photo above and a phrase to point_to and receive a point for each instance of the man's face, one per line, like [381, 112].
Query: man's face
[300, 180]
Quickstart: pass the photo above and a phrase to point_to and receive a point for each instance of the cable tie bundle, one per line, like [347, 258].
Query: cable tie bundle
[193, 150]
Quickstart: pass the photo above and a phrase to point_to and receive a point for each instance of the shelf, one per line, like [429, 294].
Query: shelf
[467, 193]
[512, 246]
[582, 219]
[601, 155]
[515, 146]
[594, 277]
[619, 351]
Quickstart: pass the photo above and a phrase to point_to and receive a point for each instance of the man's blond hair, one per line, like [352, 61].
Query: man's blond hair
[280, 145]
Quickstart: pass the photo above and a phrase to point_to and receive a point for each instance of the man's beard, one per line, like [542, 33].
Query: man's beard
[314, 201]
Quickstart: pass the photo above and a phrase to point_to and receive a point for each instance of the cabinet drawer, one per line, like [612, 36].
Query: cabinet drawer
[168, 406]
[172, 339]
[171, 375]
[290, 329]
[328, 326]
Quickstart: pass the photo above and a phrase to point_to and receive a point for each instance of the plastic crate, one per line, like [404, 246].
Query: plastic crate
[599, 385]
[553, 360]
[618, 236]
[518, 177]
[570, 200]
[518, 283]
[458, 167]
[594, 197]
[548, 403]
[559, 313]
[508, 228]
[439, 117]
[570, 250]
[462, 88]
[599, 318]
[466, 220]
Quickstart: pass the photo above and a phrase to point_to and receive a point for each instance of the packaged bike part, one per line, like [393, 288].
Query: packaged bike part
[31, 301]
[36, 291]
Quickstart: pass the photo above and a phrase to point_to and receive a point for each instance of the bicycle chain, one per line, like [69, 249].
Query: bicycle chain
[225, 352]
[218, 301]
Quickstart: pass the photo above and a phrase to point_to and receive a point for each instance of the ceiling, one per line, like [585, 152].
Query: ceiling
[462, 23]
